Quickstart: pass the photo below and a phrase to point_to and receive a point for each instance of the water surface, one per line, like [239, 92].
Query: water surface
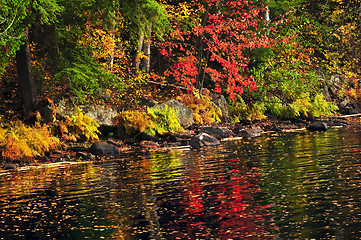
[279, 186]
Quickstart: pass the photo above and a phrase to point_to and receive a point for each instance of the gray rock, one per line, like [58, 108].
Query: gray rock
[203, 140]
[217, 132]
[222, 103]
[184, 114]
[84, 156]
[250, 133]
[349, 106]
[319, 126]
[104, 115]
[104, 149]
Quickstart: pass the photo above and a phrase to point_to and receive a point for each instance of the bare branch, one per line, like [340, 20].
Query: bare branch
[12, 22]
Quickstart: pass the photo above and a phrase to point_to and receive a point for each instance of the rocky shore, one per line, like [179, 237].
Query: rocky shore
[194, 137]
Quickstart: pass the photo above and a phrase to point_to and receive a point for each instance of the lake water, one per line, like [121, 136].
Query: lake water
[280, 186]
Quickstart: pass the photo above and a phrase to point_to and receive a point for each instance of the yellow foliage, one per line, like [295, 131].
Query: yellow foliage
[205, 111]
[21, 142]
[135, 120]
[106, 44]
[80, 126]
[2, 137]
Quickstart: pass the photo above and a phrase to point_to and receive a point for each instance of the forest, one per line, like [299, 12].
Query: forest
[270, 59]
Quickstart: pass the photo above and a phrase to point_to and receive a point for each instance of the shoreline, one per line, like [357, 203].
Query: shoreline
[60, 158]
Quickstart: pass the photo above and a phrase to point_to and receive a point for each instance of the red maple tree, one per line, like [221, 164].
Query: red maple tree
[210, 50]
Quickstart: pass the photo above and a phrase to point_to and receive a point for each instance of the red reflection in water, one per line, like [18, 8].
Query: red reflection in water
[224, 208]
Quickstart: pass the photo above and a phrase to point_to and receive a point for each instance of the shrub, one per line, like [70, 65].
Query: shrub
[322, 108]
[165, 120]
[135, 121]
[154, 121]
[86, 78]
[205, 111]
[19, 142]
[303, 106]
[81, 126]
[276, 107]
[240, 111]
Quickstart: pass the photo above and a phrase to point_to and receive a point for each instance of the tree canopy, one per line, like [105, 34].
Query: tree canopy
[254, 50]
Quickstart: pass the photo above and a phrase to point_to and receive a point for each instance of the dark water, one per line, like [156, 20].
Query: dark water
[287, 186]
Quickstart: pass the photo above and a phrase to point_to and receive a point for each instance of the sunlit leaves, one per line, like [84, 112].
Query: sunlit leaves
[209, 47]
[20, 142]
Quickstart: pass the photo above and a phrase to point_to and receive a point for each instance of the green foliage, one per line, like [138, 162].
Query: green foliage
[205, 111]
[240, 111]
[14, 16]
[154, 121]
[142, 13]
[287, 80]
[81, 126]
[276, 107]
[85, 79]
[302, 107]
[322, 108]
[165, 120]
[21, 142]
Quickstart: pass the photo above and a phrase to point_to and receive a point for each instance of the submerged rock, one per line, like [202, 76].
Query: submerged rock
[104, 149]
[319, 126]
[84, 156]
[217, 132]
[250, 133]
[204, 140]
[10, 166]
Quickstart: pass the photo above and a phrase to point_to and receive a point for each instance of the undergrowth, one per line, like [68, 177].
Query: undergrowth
[205, 111]
[21, 142]
[304, 107]
[240, 111]
[78, 127]
[154, 121]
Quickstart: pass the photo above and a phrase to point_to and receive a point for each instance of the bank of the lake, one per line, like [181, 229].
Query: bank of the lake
[286, 185]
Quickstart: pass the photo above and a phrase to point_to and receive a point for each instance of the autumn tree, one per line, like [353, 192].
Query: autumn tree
[207, 47]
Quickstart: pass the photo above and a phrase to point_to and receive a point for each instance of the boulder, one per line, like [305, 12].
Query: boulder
[222, 103]
[217, 132]
[204, 140]
[104, 149]
[184, 114]
[319, 126]
[250, 133]
[348, 106]
[104, 115]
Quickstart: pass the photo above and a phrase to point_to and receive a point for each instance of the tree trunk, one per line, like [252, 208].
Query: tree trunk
[146, 49]
[25, 77]
[137, 58]
[266, 15]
